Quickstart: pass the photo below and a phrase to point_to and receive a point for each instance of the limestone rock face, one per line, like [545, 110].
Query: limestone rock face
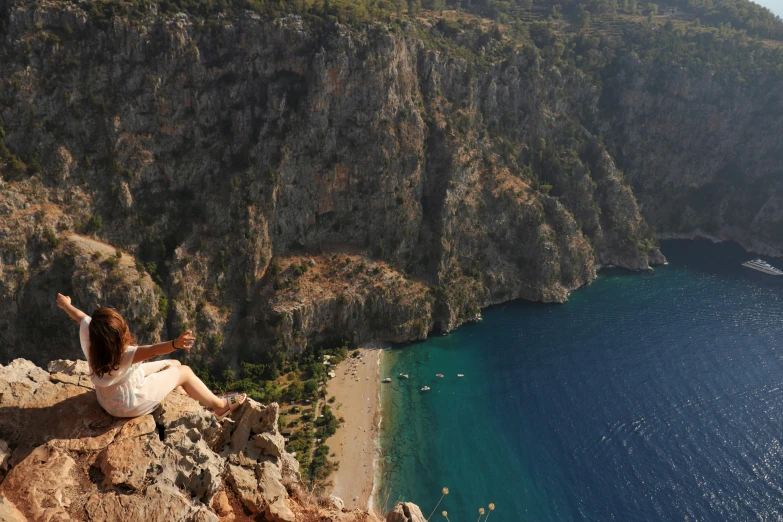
[180, 463]
[125, 463]
[159, 502]
[418, 187]
[8, 513]
[405, 512]
[43, 485]
[698, 147]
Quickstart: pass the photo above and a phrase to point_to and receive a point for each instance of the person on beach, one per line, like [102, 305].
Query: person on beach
[126, 386]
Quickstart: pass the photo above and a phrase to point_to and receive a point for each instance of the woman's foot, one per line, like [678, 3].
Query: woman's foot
[232, 402]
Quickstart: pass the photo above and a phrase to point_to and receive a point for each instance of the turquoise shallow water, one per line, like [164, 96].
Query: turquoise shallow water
[648, 396]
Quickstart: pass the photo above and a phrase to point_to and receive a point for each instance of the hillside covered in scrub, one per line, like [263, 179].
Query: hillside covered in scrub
[280, 176]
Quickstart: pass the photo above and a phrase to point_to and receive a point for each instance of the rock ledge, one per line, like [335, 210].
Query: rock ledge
[63, 458]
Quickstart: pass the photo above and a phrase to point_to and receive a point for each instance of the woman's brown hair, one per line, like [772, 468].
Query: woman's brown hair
[109, 335]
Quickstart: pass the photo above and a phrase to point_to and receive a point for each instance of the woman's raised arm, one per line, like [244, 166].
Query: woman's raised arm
[183, 342]
[64, 302]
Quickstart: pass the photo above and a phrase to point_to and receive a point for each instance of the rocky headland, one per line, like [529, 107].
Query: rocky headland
[63, 458]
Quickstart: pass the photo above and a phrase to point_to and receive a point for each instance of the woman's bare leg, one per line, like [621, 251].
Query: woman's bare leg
[157, 366]
[196, 388]
[175, 362]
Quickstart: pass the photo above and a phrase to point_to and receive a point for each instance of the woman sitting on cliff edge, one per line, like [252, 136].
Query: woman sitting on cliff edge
[125, 386]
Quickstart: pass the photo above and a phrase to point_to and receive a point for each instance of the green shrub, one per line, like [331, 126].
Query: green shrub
[163, 305]
[94, 224]
[51, 237]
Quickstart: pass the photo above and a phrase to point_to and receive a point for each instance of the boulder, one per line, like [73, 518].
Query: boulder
[270, 481]
[222, 507]
[198, 468]
[66, 367]
[244, 484]
[270, 444]
[261, 490]
[278, 511]
[336, 502]
[250, 414]
[405, 512]
[137, 427]
[41, 486]
[290, 470]
[125, 462]
[71, 372]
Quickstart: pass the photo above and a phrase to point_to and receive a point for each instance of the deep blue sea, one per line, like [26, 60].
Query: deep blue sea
[648, 396]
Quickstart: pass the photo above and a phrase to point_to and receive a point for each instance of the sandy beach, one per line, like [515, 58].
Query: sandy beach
[356, 388]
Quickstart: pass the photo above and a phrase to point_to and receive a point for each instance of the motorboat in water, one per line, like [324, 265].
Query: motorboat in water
[404, 376]
[387, 379]
[426, 388]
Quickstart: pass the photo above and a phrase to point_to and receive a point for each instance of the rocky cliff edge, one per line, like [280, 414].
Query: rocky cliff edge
[63, 458]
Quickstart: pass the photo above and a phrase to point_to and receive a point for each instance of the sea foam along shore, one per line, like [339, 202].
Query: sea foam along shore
[356, 388]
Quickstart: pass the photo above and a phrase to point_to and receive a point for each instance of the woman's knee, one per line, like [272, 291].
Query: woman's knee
[175, 362]
[185, 373]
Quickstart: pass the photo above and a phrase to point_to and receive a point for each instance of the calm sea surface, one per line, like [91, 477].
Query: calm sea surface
[648, 396]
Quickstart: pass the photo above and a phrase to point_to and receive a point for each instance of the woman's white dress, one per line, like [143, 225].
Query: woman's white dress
[132, 389]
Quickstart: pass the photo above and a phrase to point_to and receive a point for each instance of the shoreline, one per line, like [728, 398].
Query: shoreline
[753, 248]
[377, 439]
[356, 388]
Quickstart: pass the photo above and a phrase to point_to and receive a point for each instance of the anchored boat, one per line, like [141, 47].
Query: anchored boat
[762, 266]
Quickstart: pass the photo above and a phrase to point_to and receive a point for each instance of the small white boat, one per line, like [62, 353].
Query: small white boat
[460, 375]
[387, 379]
[426, 388]
[404, 376]
[762, 266]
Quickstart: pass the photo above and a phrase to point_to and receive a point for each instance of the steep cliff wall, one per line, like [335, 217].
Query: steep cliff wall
[702, 148]
[207, 149]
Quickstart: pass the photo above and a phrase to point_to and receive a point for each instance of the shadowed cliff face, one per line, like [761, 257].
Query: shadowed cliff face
[702, 149]
[218, 155]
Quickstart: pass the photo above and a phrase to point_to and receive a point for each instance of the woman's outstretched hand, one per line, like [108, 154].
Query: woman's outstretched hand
[184, 341]
[63, 301]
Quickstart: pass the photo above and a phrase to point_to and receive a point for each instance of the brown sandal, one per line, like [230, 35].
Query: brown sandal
[233, 401]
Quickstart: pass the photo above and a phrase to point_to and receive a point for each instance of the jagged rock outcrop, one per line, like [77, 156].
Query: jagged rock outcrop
[64, 458]
[209, 154]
